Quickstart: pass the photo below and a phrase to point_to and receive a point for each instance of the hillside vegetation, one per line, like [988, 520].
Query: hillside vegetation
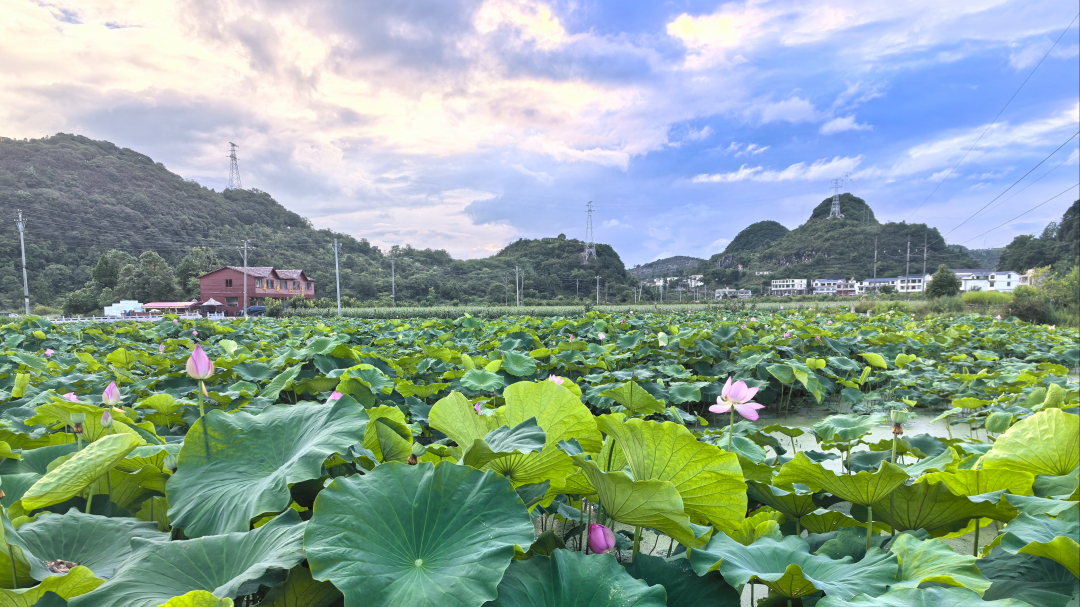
[86, 199]
[679, 265]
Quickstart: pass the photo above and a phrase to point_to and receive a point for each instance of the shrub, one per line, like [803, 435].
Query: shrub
[944, 283]
[987, 298]
[1030, 305]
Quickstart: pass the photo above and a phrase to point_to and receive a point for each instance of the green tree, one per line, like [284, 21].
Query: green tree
[107, 270]
[944, 283]
[151, 280]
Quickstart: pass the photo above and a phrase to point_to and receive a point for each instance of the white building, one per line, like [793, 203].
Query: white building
[122, 307]
[733, 293]
[914, 283]
[789, 286]
[834, 285]
[989, 280]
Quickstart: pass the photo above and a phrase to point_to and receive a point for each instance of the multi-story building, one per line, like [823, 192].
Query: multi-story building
[226, 285]
[789, 286]
[913, 283]
[733, 293]
[834, 285]
[989, 280]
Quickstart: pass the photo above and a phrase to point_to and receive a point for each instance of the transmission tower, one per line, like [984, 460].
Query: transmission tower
[590, 244]
[835, 210]
[234, 168]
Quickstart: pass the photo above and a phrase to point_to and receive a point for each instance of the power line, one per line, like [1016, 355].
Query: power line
[1024, 213]
[987, 129]
[1013, 184]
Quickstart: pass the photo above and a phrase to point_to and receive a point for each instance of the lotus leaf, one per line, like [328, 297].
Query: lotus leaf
[825, 521]
[198, 598]
[78, 581]
[225, 565]
[1048, 442]
[788, 568]
[253, 460]
[1052, 538]
[794, 504]
[556, 409]
[526, 437]
[69, 479]
[923, 561]
[300, 590]
[930, 506]
[454, 416]
[1033, 579]
[863, 488]
[847, 427]
[927, 597]
[403, 535]
[684, 587]
[574, 579]
[482, 381]
[709, 481]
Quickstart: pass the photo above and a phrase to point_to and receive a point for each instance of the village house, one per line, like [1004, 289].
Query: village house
[226, 285]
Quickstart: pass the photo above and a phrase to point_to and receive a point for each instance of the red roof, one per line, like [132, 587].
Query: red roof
[289, 274]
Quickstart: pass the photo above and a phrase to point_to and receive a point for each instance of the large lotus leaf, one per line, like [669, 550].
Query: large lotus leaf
[78, 581]
[561, 414]
[1030, 504]
[1036, 580]
[930, 506]
[946, 461]
[225, 565]
[645, 503]
[862, 488]
[300, 590]
[792, 503]
[254, 459]
[788, 568]
[763, 523]
[574, 579]
[977, 482]
[454, 416]
[551, 464]
[636, 400]
[18, 475]
[927, 597]
[198, 598]
[825, 521]
[923, 561]
[128, 490]
[526, 437]
[847, 427]
[99, 543]
[684, 587]
[709, 480]
[69, 478]
[482, 381]
[1052, 538]
[387, 435]
[1045, 443]
[416, 535]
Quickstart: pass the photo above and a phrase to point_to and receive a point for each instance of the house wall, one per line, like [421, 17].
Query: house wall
[227, 286]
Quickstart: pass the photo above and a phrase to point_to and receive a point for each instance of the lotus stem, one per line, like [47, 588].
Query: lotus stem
[11, 559]
[89, 497]
[637, 543]
[731, 429]
[584, 526]
[202, 416]
[670, 546]
[869, 524]
[975, 548]
[892, 458]
[798, 526]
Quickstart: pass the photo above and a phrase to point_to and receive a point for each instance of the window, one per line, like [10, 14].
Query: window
[310, 285]
[269, 284]
[258, 283]
[228, 282]
[296, 284]
[232, 302]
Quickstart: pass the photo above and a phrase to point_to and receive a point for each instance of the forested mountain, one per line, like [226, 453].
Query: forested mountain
[1058, 246]
[824, 246]
[679, 265]
[147, 232]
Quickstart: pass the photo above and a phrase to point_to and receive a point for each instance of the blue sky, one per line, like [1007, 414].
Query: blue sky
[467, 124]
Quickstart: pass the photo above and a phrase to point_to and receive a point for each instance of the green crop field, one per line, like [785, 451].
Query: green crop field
[620, 457]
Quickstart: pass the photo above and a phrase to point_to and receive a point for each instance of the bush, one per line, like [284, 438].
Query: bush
[945, 305]
[944, 283]
[987, 298]
[1030, 305]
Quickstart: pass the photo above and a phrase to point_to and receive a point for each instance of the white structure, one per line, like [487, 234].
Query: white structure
[733, 293]
[990, 280]
[694, 281]
[834, 285]
[760, 273]
[914, 283]
[122, 307]
[789, 286]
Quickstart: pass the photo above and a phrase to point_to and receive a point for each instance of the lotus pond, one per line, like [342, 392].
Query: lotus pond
[540, 462]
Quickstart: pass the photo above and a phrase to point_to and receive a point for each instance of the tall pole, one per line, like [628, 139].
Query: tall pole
[597, 290]
[924, 241]
[337, 275]
[244, 254]
[875, 265]
[393, 280]
[21, 224]
[907, 268]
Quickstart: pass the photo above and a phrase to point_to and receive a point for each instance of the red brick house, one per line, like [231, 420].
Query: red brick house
[226, 285]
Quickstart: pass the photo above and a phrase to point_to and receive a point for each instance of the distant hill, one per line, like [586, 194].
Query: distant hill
[1058, 246]
[984, 258]
[755, 237]
[669, 266]
[824, 246]
[84, 198]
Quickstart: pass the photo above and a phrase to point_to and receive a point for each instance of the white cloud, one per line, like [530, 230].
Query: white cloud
[845, 123]
[745, 149]
[699, 134]
[819, 170]
[795, 109]
[615, 223]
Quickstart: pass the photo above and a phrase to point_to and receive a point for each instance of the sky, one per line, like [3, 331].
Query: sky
[467, 124]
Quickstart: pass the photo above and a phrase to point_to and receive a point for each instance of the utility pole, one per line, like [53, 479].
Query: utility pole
[924, 241]
[234, 168]
[517, 287]
[337, 274]
[590, 245]
[393, 280]
[21, 224]
[663, 279]
[875, 266]
[506, 289]
[244, 253]
[577, 290]
[597, 290]
[907, 268]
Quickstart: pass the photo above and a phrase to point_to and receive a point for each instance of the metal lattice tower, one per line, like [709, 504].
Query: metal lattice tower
[234, 168]
[835, 210]
[590, 244]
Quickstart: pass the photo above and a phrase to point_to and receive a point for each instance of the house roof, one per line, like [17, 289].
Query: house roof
[257, 271]
[289, 274]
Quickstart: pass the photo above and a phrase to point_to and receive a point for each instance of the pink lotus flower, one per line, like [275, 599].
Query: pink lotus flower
[174, 320]
[819, 338]
[106, 419]
[744, 326]
[194, 332]
[49, 351]
[601, 539]
[334, 396]
[753, 319]
[787, 334]
[199, 365]
[71, 396]
[737, 395]
[477, 408]
[999, 316]
[829, 323]
[556, 379]
[111, 396]
[601, 336]
[161, 348]
[781, 307]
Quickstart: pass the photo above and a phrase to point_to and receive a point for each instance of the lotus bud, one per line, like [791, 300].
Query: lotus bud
[334, 397]
[106, 419]
[77, 420]
[111, 396]
[71, 396]
[601, 539]
[199, 365]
